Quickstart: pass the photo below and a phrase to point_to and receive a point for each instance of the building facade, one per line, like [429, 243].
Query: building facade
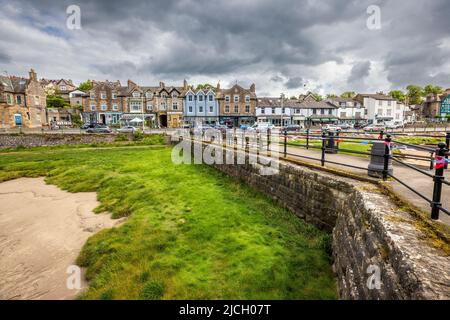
[61, 87]
[276, 111]
[201, 107]
[381, 108]
[104, 103]
[237, 105]
[22, 102]
[349, 110]
[435, 105]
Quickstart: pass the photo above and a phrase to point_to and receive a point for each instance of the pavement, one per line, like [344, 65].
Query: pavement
[420, 182]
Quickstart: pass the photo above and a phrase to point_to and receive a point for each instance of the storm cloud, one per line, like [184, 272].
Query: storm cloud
[283, 46]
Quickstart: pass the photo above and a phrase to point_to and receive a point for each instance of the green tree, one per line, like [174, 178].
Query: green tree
[56, 102]
[87, 85]
[348, 94]
[331, 95]
[398, 95]
[76, 120]
[204, 86]
[317, 96]
[415, 94]
[429, 88]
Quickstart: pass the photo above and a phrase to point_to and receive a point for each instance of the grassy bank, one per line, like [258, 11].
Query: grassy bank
[192, 233]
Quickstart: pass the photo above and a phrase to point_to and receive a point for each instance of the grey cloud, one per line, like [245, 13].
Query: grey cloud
[294, 83]
[359, 71]
[4, 58]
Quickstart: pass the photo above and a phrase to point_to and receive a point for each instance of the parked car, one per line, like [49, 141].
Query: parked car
[346, 126]
[99, 128]
[261, 126]
[374, 128]
[359, 125]
[394, 125]
[127, 129]
[292, 128]
[332, 127]
[244, 126]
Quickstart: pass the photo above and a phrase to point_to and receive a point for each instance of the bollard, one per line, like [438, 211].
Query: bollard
[331, 148]
[439, 165]
[247, 140]
[268, 139]
[285, 143]
[307, 139]
[337, 141]
[322, 160]
[447, 142]
[376, 166]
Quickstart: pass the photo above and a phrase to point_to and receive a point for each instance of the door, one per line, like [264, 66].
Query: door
[102, 119]
[18, 119]
[163, 120]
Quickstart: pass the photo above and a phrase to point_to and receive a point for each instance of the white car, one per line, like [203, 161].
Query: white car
[262, 126]
[127, 129]
[374, 128]
[332, 127]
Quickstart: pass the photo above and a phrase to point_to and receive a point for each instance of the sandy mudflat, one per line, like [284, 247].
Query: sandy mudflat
[42, 230]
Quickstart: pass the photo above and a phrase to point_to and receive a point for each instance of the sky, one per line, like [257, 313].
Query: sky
[283, 46]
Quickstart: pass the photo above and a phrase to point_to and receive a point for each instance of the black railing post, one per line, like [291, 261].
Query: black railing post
[337, 141]
[285, 143]
[322, 160]
[247, 146]
[268, 139]
[447, 142]
[439, 164]
[387, 155]
[307, 138]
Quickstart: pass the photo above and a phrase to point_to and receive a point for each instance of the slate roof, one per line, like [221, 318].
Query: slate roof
[13, 84]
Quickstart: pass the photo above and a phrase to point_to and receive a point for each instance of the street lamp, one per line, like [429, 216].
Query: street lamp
[282, 106]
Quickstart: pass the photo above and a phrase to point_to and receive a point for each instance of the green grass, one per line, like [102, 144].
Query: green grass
[347, 145]
[191, 232]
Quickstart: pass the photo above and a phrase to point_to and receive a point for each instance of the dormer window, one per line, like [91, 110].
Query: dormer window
[148, 95]
[174, 95]
[211, 97]
[136, 94]
[200, 98]
[62, 88]
[227, 98]
[247, 98]
[190, 97]
[236, 98]
[163, 95]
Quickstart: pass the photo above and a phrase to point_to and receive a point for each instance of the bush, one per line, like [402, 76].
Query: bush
[138, 135]
[121, 137]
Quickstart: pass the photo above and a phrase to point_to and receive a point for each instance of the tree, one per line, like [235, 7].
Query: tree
[331, 95]
[398, 95]
[56, 102]
[76, 120]
[415, 94]
[317, 96]
[348, 94]
[204, 86]
[87, 85]
[429, 88]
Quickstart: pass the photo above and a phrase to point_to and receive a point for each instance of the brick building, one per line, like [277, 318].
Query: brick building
[237, 105]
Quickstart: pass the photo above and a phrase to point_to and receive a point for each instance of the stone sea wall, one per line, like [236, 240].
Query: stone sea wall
[378, 251]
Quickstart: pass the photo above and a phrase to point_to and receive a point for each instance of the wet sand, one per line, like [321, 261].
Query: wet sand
[42, 230]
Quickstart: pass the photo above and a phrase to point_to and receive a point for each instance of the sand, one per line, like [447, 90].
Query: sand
[42, 230]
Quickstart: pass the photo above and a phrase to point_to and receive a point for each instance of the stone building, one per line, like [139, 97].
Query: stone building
[161, 106]
[22, 102]
[237, 105]
[432, 105]
[61, 87]
[104, 103]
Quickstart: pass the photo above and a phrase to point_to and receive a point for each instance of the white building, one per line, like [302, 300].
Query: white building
[381, 108]
[349, 110]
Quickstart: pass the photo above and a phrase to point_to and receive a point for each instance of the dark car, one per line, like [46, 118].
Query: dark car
[99, 128]
[292, 128]
[87, 126]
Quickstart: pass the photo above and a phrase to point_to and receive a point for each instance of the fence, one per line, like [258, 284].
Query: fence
[330, 141]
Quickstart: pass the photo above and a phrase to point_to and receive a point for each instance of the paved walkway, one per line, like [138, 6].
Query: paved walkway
[416, 180]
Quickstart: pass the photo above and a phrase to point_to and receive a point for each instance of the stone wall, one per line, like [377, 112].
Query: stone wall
[371, 236]
[37, 140]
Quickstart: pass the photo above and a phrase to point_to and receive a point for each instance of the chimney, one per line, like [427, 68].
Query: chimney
[253, 88]
[32, 74]
[131, 83]
[161, 84]
[218, 86]
[185, 84]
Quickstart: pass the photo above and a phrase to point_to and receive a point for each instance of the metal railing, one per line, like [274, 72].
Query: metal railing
[329, 143]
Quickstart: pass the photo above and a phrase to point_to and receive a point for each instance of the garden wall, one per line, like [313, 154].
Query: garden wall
[371, 238]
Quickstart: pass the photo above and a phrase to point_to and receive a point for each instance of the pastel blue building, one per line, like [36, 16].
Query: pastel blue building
[200, 107]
